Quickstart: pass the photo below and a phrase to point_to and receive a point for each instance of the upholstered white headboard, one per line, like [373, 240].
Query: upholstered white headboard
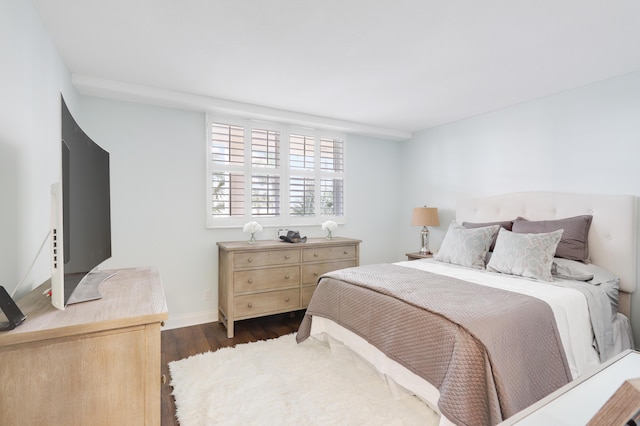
[612, 237]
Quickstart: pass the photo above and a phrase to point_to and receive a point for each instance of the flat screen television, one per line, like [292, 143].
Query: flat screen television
[81, 217]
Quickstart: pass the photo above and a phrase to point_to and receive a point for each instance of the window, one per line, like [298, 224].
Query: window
[275, 174]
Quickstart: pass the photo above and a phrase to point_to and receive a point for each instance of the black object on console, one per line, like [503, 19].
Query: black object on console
[11, 311]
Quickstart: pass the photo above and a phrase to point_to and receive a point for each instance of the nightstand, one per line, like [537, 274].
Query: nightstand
[418, 255]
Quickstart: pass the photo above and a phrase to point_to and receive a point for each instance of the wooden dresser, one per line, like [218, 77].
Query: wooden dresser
[270, 277]
[94, 363]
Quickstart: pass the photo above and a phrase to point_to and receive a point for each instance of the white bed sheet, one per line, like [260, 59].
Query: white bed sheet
[569, 307]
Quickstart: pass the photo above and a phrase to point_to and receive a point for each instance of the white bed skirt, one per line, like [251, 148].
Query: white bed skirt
[400, 380]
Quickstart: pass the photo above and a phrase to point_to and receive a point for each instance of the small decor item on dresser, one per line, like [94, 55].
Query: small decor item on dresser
[293, 237]
[252, 227]
[329, 226]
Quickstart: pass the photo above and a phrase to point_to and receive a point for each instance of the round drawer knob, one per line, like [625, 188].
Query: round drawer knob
[286, 299]
[249, 305]
[250, 281]
[287, 256]
[315, 274]
[315, 254]
[286, 277]
[249, 260]
[345, 252]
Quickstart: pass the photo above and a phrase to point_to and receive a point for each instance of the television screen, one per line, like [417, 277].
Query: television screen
[82, 217]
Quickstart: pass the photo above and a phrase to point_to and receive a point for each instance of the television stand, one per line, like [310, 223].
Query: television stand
[90, 363]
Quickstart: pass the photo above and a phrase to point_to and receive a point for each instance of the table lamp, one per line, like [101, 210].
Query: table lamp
[425, 216]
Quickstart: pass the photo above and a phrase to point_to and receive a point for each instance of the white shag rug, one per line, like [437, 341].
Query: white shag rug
[280, 382]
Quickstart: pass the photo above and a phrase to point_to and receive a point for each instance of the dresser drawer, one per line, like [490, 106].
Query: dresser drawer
[312, 271]
[266, 278]
[307, 292]
[265, 258]
[262, 303]
[329, 253]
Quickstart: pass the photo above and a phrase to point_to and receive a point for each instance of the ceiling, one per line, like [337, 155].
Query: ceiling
[401, 65]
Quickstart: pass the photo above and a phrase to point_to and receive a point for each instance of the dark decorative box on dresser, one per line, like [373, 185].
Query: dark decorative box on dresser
[271, 277]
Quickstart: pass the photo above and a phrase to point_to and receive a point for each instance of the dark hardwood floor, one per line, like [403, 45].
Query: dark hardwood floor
[183, 342]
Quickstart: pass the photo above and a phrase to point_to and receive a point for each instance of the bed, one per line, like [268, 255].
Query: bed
[470, 359]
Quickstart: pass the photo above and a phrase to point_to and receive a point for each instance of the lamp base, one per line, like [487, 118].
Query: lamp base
[424, 241]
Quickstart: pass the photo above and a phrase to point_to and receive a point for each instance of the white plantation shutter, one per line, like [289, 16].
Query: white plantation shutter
[302, 196]
[265, 148]
[272, 173]
[301, 152]
[227, 194]
[332, 177]
[265, 188]
[265, 195]
[226, 190]
[332, 197]
[302, 180]
[332, 155]
[227, 144]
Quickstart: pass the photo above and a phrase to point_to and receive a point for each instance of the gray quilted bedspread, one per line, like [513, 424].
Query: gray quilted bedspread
[490, 352]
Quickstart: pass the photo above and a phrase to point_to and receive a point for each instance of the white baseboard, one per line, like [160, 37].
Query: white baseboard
[186, 320]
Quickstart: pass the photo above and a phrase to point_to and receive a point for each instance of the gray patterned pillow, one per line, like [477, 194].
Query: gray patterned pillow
[466, 247]
[526, 255]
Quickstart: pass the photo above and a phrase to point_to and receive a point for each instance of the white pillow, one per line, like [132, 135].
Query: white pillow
[526, 255]
[466, 247]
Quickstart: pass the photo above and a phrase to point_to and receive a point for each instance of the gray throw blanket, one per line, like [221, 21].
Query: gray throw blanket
[490, 352]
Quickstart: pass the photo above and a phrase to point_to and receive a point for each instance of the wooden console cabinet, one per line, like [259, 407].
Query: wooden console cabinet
[270, 277]
[95, 363]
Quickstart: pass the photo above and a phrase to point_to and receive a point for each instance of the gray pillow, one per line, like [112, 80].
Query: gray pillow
[466, 247]
[569, 270]
[574, 244]
[526, 255]
[507, 224]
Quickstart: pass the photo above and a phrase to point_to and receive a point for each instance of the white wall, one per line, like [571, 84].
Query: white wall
[32, 76]
[585, 140]
[158, 199]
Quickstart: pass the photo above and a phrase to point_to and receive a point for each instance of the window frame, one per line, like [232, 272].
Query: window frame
[284, 219]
